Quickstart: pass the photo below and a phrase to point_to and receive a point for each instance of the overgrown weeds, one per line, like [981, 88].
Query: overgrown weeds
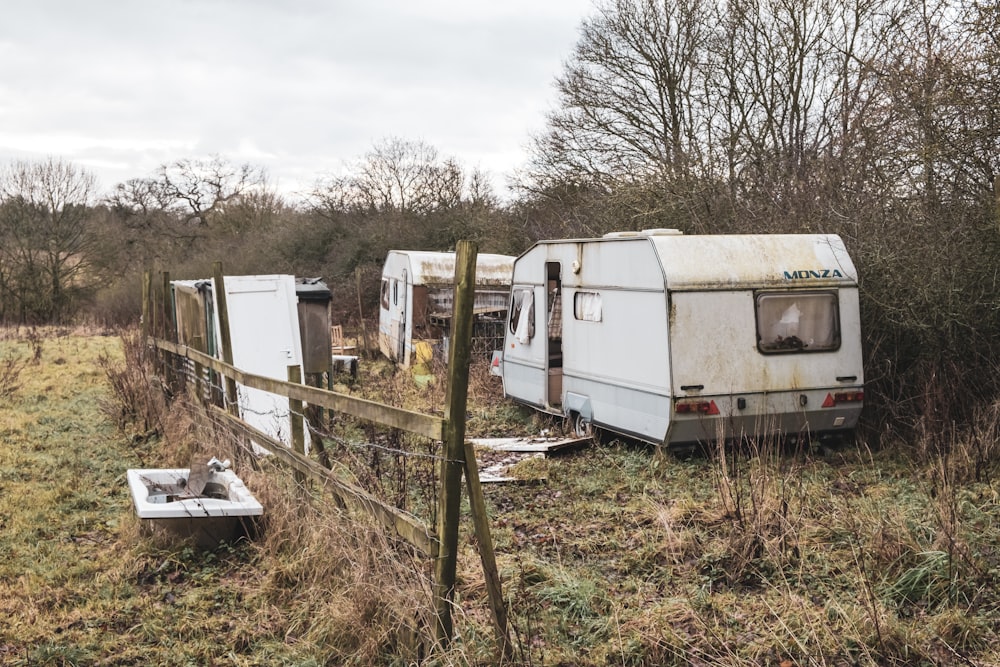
[137, 403]
[11, 367]
[759, 486]
[622, 555]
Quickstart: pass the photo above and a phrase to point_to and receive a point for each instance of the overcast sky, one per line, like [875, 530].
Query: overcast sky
[299, 87]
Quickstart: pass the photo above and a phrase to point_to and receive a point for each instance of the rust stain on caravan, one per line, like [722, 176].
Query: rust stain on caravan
[438, 269]
[748, 261]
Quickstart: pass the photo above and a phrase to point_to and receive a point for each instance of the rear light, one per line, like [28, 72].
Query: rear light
[843, 397]
[697, 408]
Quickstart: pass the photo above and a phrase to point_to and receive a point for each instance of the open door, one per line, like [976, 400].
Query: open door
[525, 346]
[553, 339]
[264, 326]
[400, 315]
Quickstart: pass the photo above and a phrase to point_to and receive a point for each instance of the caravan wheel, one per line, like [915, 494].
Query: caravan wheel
[582, 428]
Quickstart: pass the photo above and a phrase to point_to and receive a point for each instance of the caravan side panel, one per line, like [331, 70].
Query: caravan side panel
[613, 356]
[619, 358]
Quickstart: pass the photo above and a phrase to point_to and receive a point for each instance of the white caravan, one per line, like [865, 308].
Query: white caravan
[417, 294]
[678, 340]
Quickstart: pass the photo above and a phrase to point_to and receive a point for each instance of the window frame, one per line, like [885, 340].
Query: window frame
[384, 296]
[836, 333]
[516, 305]
[577, 305]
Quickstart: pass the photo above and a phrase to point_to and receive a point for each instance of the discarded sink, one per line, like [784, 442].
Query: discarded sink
[207, 502]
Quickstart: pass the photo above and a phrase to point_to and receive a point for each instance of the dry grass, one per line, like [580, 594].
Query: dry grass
[624, 556]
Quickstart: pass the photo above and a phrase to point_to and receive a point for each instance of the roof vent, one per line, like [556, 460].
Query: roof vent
[622, 235]
[661, 231]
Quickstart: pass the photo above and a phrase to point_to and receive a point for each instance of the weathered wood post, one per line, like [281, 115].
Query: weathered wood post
[481, 522]
[225, 336]
[298, 422]
[315, 416]
[453, 462]
[169, 333]
[147, 295]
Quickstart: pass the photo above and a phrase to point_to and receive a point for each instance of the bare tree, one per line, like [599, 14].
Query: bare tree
[719, 116]
[46, 242]
[631, 96]
[396, 176]
[187, 202]
[199, 189]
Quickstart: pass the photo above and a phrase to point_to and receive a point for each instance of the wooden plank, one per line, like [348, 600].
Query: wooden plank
[481, 523]
[494, 466]
[222, 307]
[530, 445]
[298, 421]
[407, 420]
[406, 526]
[169, 329]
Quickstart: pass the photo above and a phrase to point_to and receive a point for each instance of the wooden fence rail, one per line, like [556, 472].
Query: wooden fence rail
[406, 420]
[405, 525]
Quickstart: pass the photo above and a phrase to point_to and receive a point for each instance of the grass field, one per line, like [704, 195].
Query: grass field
[620, 555]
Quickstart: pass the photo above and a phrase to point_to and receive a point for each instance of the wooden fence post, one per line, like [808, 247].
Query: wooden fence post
[314, 414]
[297, 420]
[147, 295]
[224, 334]
[453, 462]
[169, 332]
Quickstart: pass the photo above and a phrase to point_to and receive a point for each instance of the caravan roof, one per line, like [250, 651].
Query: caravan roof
[438, 268]
[757, 259]
[718, 261]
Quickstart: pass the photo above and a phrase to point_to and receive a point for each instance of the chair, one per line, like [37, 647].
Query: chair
[337, 347]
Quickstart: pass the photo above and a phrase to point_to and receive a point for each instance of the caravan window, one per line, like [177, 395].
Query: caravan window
[385, 293]
[522, 313]
[797, 322]
[587, 306]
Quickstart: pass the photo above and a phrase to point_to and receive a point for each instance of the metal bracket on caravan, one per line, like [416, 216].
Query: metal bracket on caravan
[579, 404]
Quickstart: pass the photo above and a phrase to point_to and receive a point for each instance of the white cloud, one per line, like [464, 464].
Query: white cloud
[297, 87]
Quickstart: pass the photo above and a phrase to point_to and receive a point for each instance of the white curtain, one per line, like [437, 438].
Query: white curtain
[525, 326]
[587, 306]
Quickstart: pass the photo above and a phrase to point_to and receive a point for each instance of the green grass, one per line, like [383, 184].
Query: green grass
[623, 555]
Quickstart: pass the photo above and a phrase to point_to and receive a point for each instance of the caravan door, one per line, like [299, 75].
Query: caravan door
[392, 323]
[264, 327]
[402, 332]
[526, 346]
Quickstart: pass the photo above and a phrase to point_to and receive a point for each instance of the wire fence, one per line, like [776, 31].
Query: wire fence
[391, 466]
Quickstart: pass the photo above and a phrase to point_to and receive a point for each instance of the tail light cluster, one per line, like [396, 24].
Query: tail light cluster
[843, 397]
[709, 408]
[697, 408]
